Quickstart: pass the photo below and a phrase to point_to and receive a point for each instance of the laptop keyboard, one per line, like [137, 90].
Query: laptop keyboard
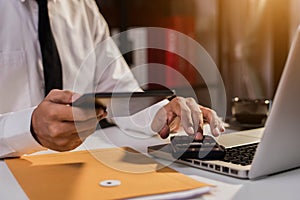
[242, 155]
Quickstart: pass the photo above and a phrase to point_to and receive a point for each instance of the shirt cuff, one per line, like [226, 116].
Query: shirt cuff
[141, 121]
[17, 136]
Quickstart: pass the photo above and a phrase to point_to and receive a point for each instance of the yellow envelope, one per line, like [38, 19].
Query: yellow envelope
[76, 175]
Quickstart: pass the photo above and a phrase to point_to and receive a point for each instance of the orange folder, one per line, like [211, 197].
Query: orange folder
[76, 175]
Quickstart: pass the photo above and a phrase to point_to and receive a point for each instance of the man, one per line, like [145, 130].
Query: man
[29, 121]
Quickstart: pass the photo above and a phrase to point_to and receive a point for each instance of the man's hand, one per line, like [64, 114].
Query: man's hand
[191, 115]
[61, 127]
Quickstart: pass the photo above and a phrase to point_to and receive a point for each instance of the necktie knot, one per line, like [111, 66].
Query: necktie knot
[42, 2]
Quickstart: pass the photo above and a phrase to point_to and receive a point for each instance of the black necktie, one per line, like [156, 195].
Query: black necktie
[51, 60]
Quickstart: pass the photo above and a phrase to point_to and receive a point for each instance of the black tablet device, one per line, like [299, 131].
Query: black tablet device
[123, 103]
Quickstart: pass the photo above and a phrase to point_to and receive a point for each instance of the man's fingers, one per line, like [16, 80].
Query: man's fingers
[163, 120]
[65, 98]
[191, 115]
[182, 110]
[197, 116]
[216, 124]
[66, 129]
[82, 114]
[187, 121]
[60, 96]
[164, 132]
[88, 125]
[58, 107]
[62, 112]
[160, 120]
[175, 125]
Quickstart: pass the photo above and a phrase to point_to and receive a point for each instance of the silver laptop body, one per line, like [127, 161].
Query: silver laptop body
[279, 140]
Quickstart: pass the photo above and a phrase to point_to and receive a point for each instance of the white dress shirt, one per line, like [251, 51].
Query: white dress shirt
[88, 65]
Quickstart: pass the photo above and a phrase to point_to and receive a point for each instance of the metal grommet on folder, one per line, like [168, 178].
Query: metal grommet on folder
[110, 183]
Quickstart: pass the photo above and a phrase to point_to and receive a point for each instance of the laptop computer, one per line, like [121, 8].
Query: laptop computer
[275, 148]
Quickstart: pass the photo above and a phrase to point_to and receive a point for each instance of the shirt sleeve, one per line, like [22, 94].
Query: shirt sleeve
[15, 136]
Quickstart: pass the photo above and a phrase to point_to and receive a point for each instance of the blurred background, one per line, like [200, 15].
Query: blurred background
[248, 40]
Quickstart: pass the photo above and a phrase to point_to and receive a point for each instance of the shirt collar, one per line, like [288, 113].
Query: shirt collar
[26, 0]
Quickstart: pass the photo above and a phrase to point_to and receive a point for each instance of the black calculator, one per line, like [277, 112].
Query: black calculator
[186, 147]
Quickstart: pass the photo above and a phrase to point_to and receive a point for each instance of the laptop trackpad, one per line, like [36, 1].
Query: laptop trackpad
[241, 137]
